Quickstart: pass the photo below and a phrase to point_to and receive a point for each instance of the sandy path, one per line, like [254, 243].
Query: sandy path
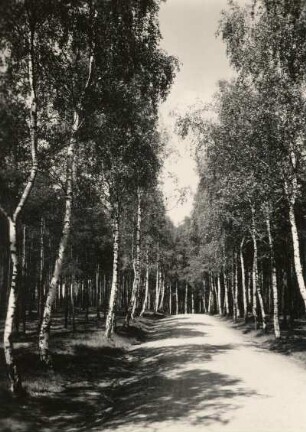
[197, 374]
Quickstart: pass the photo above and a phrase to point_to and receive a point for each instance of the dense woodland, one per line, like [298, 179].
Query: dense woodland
[84, 228]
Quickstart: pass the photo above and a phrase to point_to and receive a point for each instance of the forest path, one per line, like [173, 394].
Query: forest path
[196, 373]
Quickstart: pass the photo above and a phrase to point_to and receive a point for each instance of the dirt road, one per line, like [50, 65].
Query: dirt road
[197, 374]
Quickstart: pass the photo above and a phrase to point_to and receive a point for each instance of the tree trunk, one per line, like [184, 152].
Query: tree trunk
[192, 302]
[72, 294]
[23, 285]
[98, 290]
[136, 264]
[220, 310]
[204, 297]
[235, 291]
[109, 326]
[15, 380]
[46, 320]
[255, 275]
[145, 301]
[40, 297]
[67, 303]
[186, 299]
[273, 280]
[162, 296]
[176, 299]
[226, 295]
[170, 299]
[157, 286]
[238, 314]
[244, 293]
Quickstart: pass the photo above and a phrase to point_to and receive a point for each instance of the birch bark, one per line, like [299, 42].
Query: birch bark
[273, 280]
[186, 299]
[135, 288]
[109, 326]
[244, 293]
[256, 285]
[14, 377]
[145, 301]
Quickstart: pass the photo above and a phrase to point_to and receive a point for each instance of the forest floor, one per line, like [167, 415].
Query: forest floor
[180, 373]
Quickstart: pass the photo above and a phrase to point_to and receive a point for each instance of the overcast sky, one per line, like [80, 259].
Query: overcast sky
[188, 28]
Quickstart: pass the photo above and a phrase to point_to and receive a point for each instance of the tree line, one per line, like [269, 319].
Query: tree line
[81, 153]
[247, 231]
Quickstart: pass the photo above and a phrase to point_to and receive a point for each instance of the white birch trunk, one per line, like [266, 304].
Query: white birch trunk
[109, 325]
[176, 300]
[162, 295]
[40, 297]
[51, 296]
[186, 299]
[210, 300]
[44, 333]
[145, 301]
[234, 291]
[135, 288]
[220, 310]
[192, 302]
[255, 275]
[273, 281]
[14, 377]
[226, 293]
[244, 293]
[203, 297]
[157, 286]
[15, 380]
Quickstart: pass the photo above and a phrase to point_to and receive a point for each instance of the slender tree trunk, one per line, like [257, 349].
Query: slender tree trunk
[145, 301]
[176, 299]
[186, 299]
[192, 302]
[238, 314]
[109, 327]
[255, 271]
[235, 290]
[40, 297]
[170, 299]
[72, 294]
[273, 280]
[23, 302]
[204, 297]
[220, 310]
[67, 303]
[13, 374]
[98, 291]
[162, 296]
[157, 286]
[46, 320]
[211, 296]
[244, 293]
[226, 295]
[14, 377]
[136, 264]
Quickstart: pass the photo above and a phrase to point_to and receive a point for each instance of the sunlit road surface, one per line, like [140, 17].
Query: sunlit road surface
[198, 374]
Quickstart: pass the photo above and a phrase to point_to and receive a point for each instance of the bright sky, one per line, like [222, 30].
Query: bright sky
[188, 28]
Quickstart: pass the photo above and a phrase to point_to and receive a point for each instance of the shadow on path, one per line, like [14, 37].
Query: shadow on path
[107, 387]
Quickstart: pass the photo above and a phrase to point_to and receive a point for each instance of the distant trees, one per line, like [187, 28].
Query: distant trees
[248, 212]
